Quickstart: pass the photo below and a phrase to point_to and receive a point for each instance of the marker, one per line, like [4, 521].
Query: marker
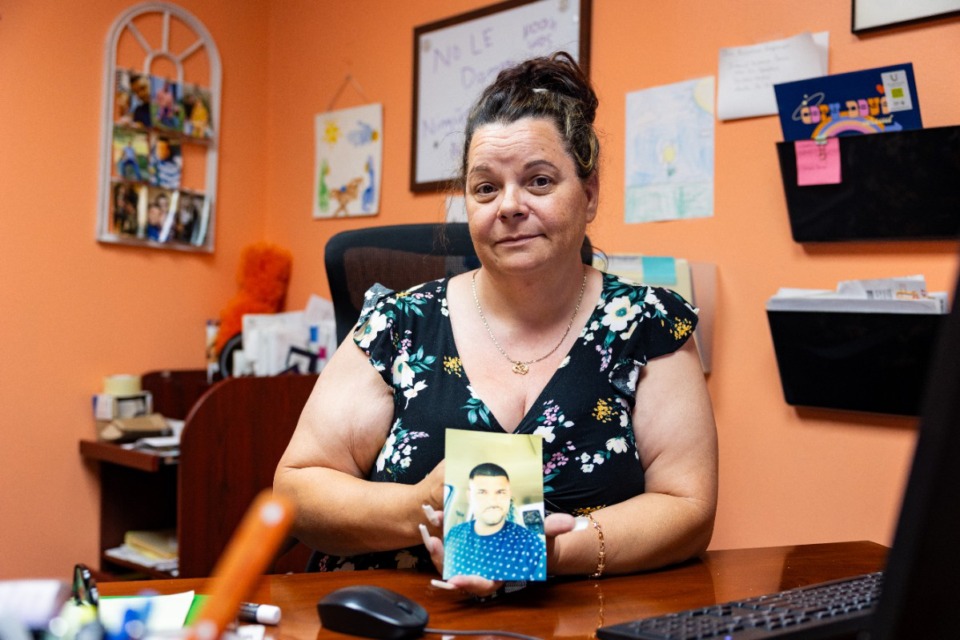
[259, 613]
[250, 550]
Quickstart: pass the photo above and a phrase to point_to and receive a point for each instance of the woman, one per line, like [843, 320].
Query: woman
[532, 342]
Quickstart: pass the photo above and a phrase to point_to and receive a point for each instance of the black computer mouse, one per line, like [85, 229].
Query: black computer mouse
[372, 612]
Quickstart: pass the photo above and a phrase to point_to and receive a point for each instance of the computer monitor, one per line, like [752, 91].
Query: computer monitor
[922, 577]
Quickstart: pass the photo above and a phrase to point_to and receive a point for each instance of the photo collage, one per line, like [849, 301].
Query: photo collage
[153, 119]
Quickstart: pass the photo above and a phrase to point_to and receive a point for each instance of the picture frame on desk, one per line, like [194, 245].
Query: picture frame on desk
[872, 15]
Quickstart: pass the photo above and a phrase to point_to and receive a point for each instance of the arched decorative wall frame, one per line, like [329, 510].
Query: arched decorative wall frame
[160, 132]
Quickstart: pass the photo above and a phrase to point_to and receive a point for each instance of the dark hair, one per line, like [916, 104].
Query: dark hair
[489, 469]
[552, 87]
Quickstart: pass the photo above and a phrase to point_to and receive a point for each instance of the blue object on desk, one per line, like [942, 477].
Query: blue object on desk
[134, 624]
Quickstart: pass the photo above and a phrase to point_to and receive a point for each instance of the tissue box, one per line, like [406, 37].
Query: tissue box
[109, 407]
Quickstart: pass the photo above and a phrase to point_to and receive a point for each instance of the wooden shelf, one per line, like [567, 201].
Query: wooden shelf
[115, 567]
[116, 454]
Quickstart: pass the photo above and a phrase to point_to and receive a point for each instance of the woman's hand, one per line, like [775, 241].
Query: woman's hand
[557, 524]
[431, 487]
[474, 585]
[554, 525]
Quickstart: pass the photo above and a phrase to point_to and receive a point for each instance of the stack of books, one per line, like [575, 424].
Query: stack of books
[152, 549]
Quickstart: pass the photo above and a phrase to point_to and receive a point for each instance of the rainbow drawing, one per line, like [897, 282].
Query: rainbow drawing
[837, 126]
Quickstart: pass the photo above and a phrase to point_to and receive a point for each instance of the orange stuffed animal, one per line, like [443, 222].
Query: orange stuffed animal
[263, 278]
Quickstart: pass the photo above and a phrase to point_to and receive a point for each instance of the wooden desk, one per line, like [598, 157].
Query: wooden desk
[569, 608]
[234, 434]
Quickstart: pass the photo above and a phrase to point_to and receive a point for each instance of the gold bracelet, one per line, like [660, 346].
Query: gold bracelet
[602, 554]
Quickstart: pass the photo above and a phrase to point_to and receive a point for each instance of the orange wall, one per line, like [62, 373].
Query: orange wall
[75, 310]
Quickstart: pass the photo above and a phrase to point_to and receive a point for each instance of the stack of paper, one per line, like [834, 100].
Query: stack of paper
[151, 549]
[127, 553]
[888, 295]
[161, 545]
[165, 615]
[32, 604]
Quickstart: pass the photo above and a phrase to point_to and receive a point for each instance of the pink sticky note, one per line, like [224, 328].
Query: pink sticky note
[817, 163]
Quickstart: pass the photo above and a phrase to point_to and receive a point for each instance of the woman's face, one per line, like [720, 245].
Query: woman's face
[525, 203]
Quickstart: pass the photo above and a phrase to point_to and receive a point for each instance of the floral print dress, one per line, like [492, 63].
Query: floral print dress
[584, 413]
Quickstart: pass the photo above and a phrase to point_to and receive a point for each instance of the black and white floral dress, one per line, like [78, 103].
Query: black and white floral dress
[584, 413]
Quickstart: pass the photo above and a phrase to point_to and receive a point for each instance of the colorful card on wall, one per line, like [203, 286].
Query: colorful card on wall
[869, 101]
[131, 151]
[166, 161]
[167, 106]
[349, 152]
[197, 122]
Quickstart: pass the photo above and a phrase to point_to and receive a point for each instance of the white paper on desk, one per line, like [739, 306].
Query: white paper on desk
[267, 338]
[32, 602]
[167, 613]
[319, 312]
[160, 442]
[747, 74]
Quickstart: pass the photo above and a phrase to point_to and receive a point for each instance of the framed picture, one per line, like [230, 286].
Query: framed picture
[159, 141]
[348, 155]
[871, 15]
[454, 59]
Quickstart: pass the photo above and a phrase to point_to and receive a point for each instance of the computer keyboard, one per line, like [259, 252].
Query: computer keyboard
[814, 611]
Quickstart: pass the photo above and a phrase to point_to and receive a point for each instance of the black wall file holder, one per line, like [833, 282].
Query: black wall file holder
[900, 185]
[872, 362]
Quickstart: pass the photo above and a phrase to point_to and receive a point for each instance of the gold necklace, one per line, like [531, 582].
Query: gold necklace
[520, 367]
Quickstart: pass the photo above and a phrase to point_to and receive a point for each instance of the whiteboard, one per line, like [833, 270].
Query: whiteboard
[869, 15]
[456, 58]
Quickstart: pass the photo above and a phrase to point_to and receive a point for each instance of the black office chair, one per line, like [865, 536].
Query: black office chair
[398, 257]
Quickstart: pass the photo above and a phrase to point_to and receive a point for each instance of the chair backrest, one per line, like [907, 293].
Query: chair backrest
[398, 257]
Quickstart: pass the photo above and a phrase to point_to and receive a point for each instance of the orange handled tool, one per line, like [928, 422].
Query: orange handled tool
[249, 552]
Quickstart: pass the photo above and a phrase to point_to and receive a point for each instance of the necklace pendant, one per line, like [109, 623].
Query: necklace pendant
[520, 368]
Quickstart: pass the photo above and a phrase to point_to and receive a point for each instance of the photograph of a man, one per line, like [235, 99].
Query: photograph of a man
[492, 544]
[494, 506]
